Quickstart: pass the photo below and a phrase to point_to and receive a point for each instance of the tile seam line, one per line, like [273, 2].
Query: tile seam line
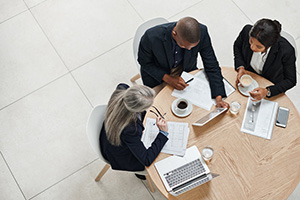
[135, 10]
[81, 168]
[70, 70]
[81, 90]
[242, 11]
[41, 28]
[59, 56]
[147, 188]
[185, 9]
[36, 4]
[81, 65]
[13, 175]
[14, 16]
[34, 91]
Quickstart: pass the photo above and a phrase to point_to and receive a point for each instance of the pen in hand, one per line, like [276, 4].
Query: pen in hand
[189, 80]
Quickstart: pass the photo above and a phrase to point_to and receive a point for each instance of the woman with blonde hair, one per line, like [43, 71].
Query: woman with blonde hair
[120, 137]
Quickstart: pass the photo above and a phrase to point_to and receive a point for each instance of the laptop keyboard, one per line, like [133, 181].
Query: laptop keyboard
[184, 173]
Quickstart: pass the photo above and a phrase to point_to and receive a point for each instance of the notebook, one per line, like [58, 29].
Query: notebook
[180, 174]
[216, 112]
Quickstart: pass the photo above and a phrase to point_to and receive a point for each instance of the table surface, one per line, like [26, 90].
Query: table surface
[250, 167]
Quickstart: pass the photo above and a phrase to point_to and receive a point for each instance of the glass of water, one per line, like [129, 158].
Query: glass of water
[235, 107]
[207, 153]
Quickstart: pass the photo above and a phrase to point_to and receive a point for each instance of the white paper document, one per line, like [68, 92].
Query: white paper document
[198, 91]
[178, 136]
[259, 118]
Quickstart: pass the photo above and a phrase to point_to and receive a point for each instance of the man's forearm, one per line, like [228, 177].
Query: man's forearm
[166, 78]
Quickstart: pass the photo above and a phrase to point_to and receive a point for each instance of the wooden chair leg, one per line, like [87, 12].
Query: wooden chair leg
[150, 183]
[103, 171]
[136, 77]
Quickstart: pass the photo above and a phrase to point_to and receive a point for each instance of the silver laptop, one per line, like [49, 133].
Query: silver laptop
[180, 174]
[216, 112]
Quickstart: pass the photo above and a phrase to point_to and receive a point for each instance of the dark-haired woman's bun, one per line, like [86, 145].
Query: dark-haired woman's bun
[278, 25]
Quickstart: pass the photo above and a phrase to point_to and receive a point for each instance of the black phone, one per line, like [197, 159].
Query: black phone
[282, 117]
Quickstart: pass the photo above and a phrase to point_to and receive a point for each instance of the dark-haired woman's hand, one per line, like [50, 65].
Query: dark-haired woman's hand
[241, 71]
[162, 124]
[258, 93]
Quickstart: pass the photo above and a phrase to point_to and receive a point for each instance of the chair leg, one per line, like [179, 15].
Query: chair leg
[136, 77]
[103, 171]
[150, 183]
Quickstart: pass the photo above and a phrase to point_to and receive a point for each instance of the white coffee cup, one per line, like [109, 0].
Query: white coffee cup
[246, 80]
[181, 106]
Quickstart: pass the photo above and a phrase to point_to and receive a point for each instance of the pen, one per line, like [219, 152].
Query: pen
[158, 112]
[189, 80]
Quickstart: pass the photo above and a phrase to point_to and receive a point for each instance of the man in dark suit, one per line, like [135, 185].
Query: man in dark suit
[168, 49]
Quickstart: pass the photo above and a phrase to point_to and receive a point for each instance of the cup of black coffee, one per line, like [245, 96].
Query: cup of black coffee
[181, 106]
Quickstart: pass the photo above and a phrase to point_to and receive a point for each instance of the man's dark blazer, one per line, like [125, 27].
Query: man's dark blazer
[279, 68]
[132, 154]
[156, 57]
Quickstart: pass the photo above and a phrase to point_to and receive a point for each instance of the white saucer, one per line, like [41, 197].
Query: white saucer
[187, 112]
[245, 91]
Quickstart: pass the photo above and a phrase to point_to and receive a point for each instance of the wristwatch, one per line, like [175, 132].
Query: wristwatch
[269, 92]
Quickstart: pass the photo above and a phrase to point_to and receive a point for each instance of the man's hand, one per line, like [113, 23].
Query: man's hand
[176, 82]
[240, 73]
[221, 103]
[258, 93]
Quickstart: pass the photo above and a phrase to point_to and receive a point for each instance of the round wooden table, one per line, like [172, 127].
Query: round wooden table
[250, 167]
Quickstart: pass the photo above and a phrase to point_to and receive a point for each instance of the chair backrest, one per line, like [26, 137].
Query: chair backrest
[291, 40]
[94, 126]
[140, 32]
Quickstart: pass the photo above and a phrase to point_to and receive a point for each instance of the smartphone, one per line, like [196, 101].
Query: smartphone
[282, 117]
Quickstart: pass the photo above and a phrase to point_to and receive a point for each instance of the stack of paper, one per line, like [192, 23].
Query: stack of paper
[178, 136]
[259, 118]
[198, 91]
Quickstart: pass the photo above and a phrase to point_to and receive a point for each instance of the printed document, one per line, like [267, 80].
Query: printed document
[198, 91]
[259, 118]
[178, 136]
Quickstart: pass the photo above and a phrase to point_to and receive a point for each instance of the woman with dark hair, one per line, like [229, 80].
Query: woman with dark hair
[261, 49]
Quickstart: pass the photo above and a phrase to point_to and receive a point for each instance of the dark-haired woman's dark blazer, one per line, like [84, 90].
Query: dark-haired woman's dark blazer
[279, 68]
[132, 154]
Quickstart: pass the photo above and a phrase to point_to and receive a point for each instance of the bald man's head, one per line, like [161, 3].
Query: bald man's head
[188, 29]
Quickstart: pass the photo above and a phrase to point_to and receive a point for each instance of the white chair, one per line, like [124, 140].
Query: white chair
[291, 40]
[138, 35]
[93, 128]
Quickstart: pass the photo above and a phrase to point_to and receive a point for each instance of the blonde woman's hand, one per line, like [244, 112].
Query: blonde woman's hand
[161, 124]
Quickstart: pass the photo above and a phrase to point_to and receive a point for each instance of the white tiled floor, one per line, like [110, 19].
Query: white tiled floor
[59, 58]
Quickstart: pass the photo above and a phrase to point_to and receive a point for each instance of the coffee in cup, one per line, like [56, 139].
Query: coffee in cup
[246, 80]
[181, 106]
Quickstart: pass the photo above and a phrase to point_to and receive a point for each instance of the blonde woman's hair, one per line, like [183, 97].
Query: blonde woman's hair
[122, 110]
